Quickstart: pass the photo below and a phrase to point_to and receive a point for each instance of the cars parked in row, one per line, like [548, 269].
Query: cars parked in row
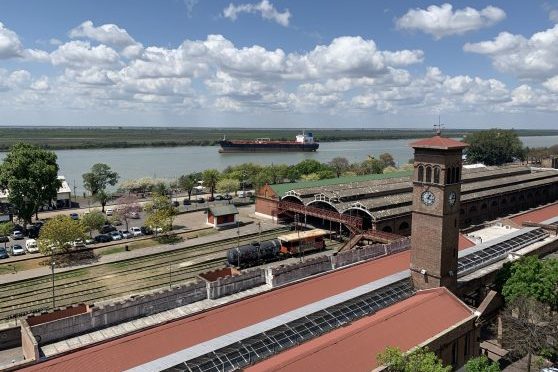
[31, 246]
[109, 211]
[4, 253]
[103, 238]
[74, 216]
[126, 234]
[17, 235]
[17, 250]
[115, 235]
[107, 229]
[136, 231]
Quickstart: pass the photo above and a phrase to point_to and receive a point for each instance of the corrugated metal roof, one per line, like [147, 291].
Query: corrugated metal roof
[223, 210]
[302, 235]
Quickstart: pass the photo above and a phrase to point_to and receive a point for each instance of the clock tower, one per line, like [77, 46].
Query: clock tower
[435, 217]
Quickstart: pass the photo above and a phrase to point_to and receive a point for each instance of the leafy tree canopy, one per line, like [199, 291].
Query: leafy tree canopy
[228, 185]
[494, 147]
[97, 180]
[30, 174]
[481, 364]
[6, 229]
[419, 360]
[93, 221]
[339, 165]
[160, 213]
[534, 278]
[58, 233]
[210, 179]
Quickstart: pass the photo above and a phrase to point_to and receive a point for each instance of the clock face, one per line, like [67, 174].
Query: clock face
[452, 198]
[428, 198]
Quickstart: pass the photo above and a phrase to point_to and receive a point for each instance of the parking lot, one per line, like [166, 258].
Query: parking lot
[191, 216]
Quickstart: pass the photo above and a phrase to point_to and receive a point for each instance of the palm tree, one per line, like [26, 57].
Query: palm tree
[210, 179]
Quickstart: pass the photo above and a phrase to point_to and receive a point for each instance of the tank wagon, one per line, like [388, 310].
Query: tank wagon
[297, 243]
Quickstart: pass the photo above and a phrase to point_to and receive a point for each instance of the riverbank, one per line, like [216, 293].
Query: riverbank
[73, 138]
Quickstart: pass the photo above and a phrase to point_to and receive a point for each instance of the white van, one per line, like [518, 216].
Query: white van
[31, 246]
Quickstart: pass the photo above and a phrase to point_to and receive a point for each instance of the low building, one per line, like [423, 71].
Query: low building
[63, 196]
[222, 215]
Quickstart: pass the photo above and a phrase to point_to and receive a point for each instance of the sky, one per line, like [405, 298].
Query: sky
[279, 63]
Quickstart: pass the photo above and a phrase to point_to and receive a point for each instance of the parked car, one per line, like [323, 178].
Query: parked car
[136, 231]
[78, 243]
[227, 197]
[74, 216]
[103, 238]
[31, 246]
[89, 241]
[109, 211]
[134, 215]
[175, 203]
[107, 228]
[17, 235]
[219, 197]
[200, 200]
[126, 234]
[210, 199]
[4, 253]
[146, 230]
[115, 235]
[33, 231]
[186, 202]
[17, 250]
[4, 239]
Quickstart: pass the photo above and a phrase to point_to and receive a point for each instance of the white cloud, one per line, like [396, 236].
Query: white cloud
[264, 8]
[10, 45]
[441, 21]
[109, 34]
[552, 84]
[190, 4]
[40, 84]
[80, 54]
[533, 58]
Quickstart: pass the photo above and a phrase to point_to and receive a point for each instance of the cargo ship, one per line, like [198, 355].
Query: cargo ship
[303, 142]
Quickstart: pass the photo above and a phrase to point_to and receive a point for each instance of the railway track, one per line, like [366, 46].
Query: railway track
[118, 279]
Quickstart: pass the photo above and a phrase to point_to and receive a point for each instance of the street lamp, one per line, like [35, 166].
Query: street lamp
[52, 263]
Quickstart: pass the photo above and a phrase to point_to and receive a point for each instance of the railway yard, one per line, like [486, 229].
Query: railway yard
[124, 278]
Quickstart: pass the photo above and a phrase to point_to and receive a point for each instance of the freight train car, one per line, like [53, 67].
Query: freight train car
[302, 241]
[255, 253]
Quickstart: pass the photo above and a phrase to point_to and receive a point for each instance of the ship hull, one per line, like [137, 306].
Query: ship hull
[229, 146]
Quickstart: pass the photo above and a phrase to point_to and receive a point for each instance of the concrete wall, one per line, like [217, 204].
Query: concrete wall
[226, 285]
[29, 344]
[98, 317]
[287, 273]
[10, 337]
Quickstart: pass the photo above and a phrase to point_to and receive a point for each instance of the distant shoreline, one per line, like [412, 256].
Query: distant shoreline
[83, 138]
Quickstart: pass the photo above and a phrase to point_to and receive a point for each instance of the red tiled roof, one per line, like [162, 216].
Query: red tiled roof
[142, 347]
[538, 215]
[464, 243]
[439, 142]
[354, 348]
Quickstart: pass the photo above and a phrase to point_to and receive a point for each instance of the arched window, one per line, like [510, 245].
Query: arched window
[447, 171]
[420, 176]
[473, 209]
[462, 211]
[436, 174]
[404, 226]
[494, 203]
[457, 174]
[452, 175]
[428, 174]
[387, 229]
[484, 206]
[504, 201]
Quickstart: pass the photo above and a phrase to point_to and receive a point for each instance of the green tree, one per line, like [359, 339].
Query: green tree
[30, 174]
[309, 166]
[210, 178]
[160, 213]
[481, 364]
[387, 159]
[93, 221]
[534, 278]
[419, 360]
[97, 181]
[187, 183]
[127, 205]
[58, 233]
[5, 230]
[372, 166]
[292, 173]
[228, 185]
[494, 147]
[339, 165]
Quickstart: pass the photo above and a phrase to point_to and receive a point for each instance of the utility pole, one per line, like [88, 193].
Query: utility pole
[52, 263]
[75, 195]
[170, 275]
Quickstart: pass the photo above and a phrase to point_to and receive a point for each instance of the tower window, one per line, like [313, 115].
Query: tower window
[428, 174]
[451, 175]
[420, 173]
[436, 174]
[457, 174]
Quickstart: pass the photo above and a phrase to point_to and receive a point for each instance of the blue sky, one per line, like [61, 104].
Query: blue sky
[272, 63]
